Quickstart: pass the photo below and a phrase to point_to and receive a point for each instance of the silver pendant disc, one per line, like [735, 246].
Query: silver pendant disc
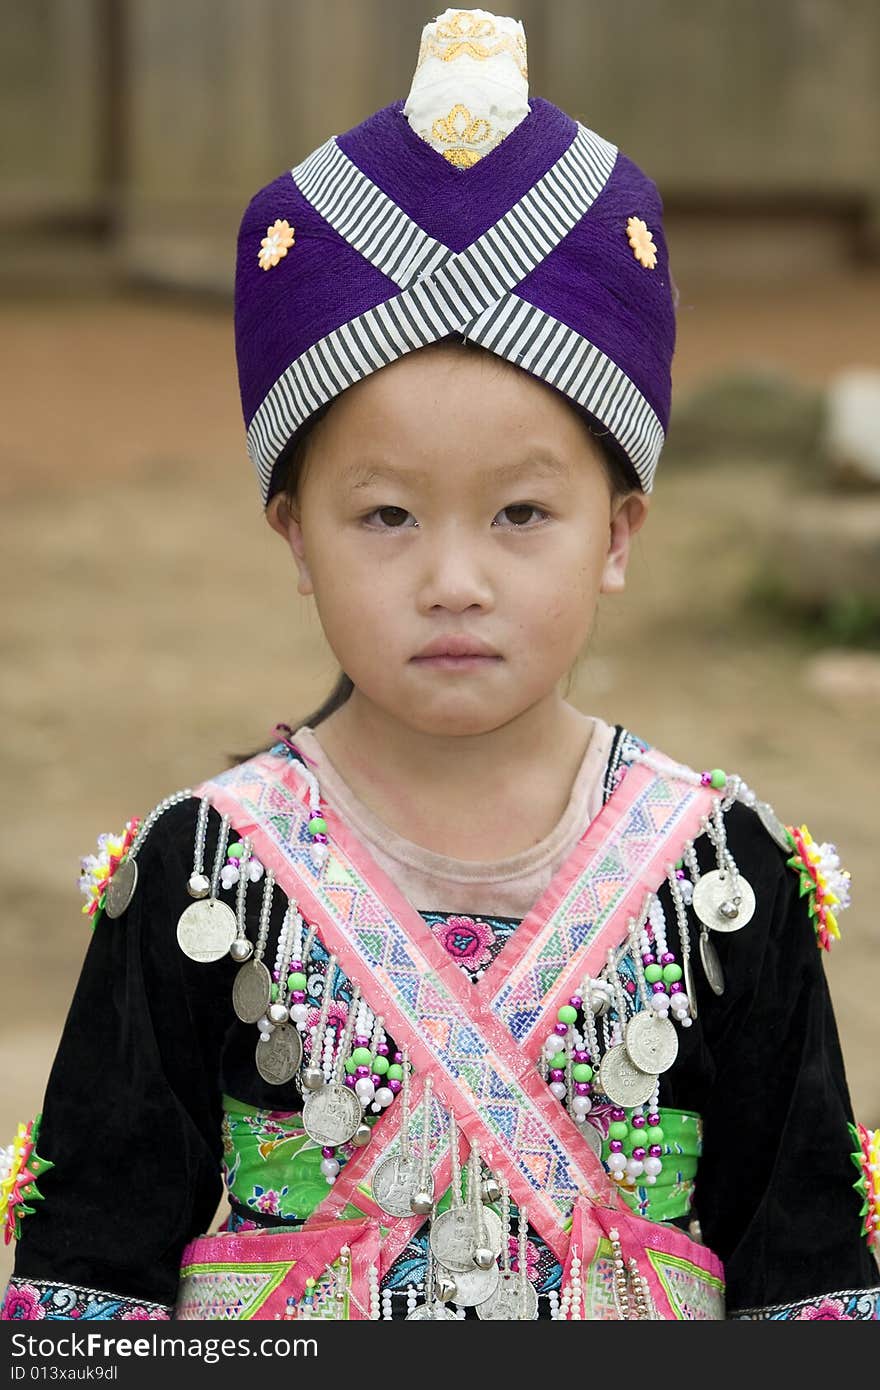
[511, 1301]
[623, 1083]
[689, 984]
[332, 1115]
[251, 991]
[473, 1286]
[712, 893]
[206, 930]
[394, 1182]
[120, 889]
[773, 825]
[651, 1042]
[711, 964]
[279, 1058]
[431, 1312]
[590, 1134]
[454, 1237]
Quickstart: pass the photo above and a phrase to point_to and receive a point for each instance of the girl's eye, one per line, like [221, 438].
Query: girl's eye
[392, 519]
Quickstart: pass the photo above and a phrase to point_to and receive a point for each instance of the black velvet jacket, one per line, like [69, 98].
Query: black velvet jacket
[132, 1113]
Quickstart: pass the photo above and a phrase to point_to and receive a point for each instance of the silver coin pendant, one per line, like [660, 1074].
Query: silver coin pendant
[454, 1237]
[512, 1301]
[251, 991]
[690, 984]
[474, 1286]
[278, 1059]
[651, 1042]
[120, 889]
[332, 1115]
[623, 1083]
[591, 1134]
[431, 1312]
[715, 905]
[206, 930]
[394, 1182]
[711, 964]
[773, 825]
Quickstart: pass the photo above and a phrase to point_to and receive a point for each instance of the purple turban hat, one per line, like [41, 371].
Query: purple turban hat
[548, 251]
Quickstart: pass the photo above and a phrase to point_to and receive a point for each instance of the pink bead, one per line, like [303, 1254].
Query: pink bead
[680, 873]
[581, 1055]
[328, 1151]
[394, 1085]
[638, 1152]
[362, 1071]
[296, 965]
[630, 986]
[648, 958]
[654, 1118]
[616, 1146]
[361, 1041]
[557, 1074]
[675, 988]
[298, 996]
[706, 779]
[560, 1029]
[351, 1081]
[575, 1001]
[582, 1088]
[667, 958]
[618, 1114]
[376, 1079]
[638, 1122]
[656, 1150]
[398, 1057]
[382, 1050]
[658, 987]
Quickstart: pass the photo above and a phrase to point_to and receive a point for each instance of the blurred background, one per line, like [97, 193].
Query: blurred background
[150, 624]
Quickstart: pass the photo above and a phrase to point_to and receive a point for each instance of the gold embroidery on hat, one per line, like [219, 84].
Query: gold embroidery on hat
[462, 131]
[640, 239]
[460, 37]
[276, 243]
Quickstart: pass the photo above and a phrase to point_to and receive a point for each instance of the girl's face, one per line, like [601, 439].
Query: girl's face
[451, 495]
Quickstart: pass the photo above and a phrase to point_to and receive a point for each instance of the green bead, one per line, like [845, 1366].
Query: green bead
[273, 992]
[380, 1065]
[618, 1129]
[296, 980]
[653, 973]
[317, 826]
[581, 1071]
[559, 1062]
[719, 778]
[362, 1056]
[671, 973]
[654, 1134]
[679, 863]
[566, 1014]
[350, 1066]
[235, 850]
[395, 1072]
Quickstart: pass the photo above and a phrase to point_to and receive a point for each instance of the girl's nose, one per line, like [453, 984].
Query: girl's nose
[453, 573]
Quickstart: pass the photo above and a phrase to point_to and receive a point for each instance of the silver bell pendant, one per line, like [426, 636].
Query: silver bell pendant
[241, 949]
[362, 1136]
[484, 1258]
[278, 1013]
[445, 1287]
[312, 1079]
[422, 1203]
[491, 1191]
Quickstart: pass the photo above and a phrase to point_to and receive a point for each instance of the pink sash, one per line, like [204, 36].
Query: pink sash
[480, 1043]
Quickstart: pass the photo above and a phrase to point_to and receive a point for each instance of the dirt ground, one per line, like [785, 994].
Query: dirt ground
[151, 623]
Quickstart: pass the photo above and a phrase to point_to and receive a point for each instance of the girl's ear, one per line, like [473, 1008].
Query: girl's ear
[282, 519]
[628, 518]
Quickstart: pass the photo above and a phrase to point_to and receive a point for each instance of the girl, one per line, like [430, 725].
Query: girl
[482, 1006]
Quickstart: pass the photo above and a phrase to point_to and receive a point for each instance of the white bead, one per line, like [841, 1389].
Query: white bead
[687, 1021]
[375, 1108]
[581, 1105]
[552, 1046]
[617, 1162]
[687, 890]
[384, 1095]
[264, 1025]
[558, 1089]
[660, 1004]
[650, 1179]
[264, 1037]
[299, 1013]
[329, 1167]
[364, 1089]
[634, 1167]
[653, 1165]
